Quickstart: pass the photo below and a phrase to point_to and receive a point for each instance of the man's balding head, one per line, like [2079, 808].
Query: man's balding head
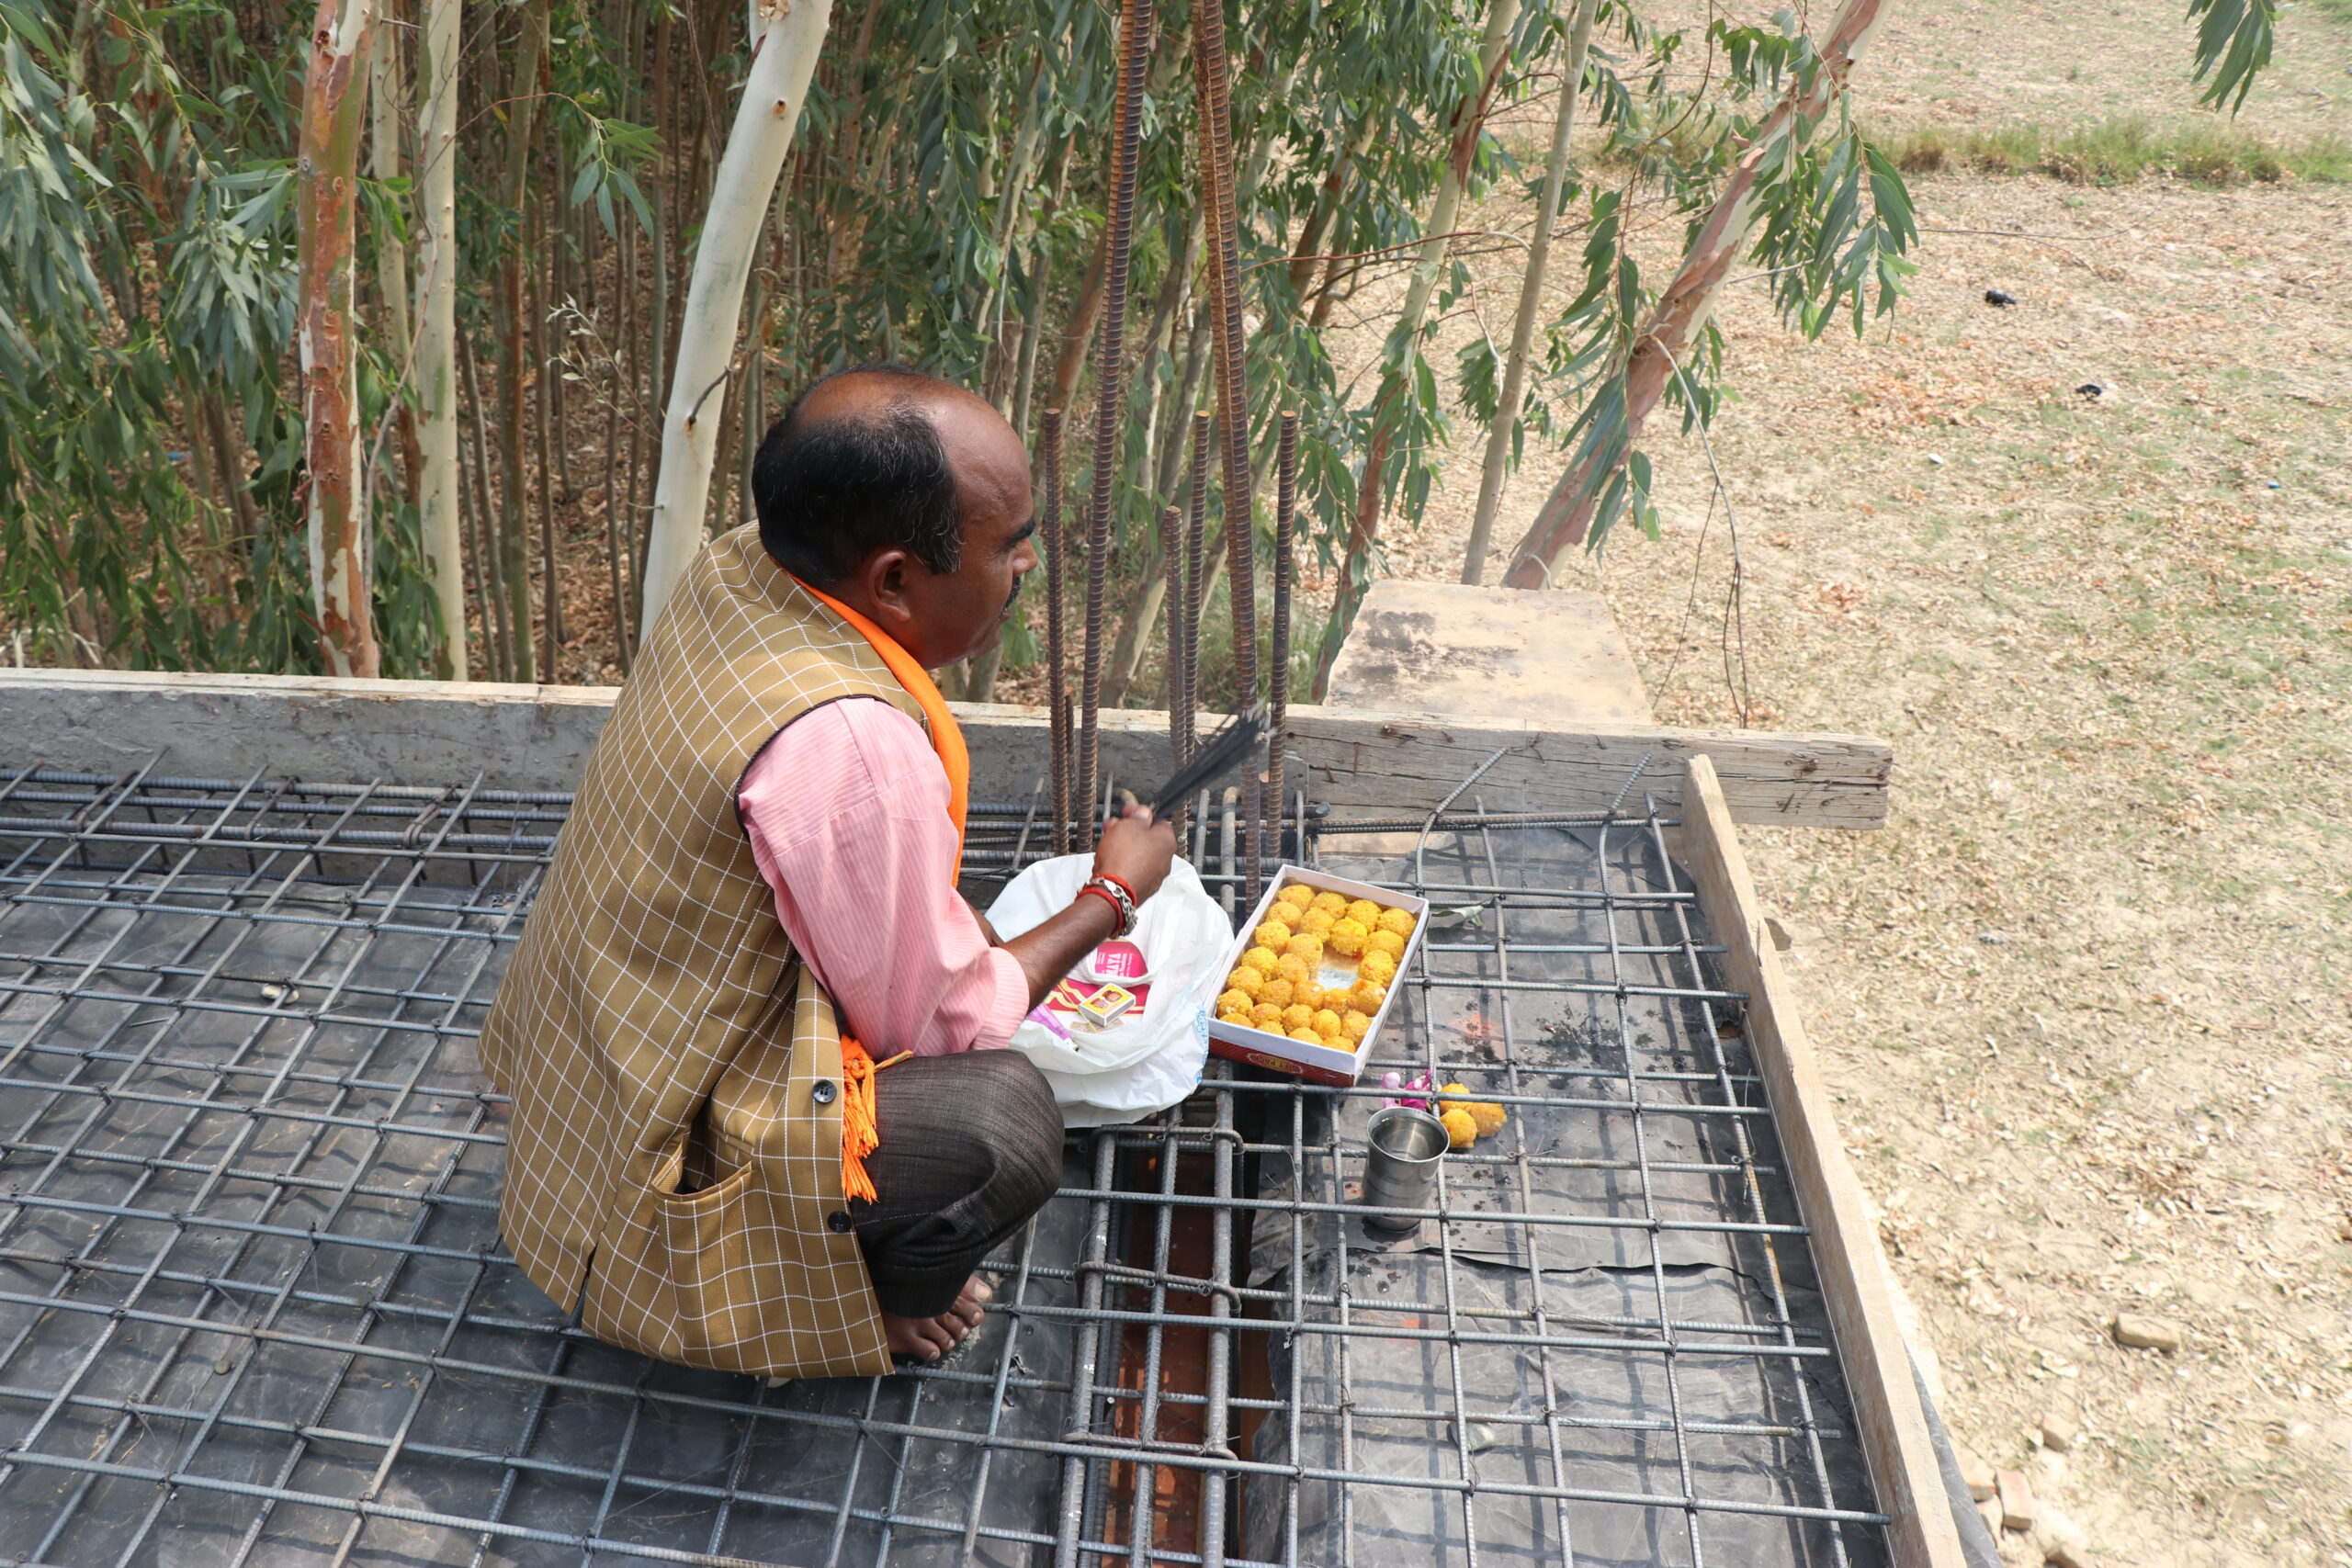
[882, 472]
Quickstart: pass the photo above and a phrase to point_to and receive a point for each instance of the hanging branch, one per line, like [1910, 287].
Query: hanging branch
[772, 95]
[1110, 382]
[336, 522]
[1686, 303]
[1502, 437]
[437, 478]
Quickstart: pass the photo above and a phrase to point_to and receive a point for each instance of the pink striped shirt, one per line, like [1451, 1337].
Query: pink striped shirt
[847, 814]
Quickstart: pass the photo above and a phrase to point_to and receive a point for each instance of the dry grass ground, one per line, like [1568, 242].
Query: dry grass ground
[2086, 1001]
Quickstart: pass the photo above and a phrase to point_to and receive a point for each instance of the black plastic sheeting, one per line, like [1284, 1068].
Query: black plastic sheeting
[1595, 1419]
[253, 1309]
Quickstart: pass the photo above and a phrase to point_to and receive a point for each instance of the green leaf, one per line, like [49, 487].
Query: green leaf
[2232, 45]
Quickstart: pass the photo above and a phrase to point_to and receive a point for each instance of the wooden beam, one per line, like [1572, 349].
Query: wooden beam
[526, 736]
[1853, 1272]
[1366, 762]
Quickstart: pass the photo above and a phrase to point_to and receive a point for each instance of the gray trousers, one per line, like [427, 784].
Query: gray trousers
[971, 1147]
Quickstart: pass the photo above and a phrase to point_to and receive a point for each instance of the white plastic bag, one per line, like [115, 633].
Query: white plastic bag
[1150, 1056]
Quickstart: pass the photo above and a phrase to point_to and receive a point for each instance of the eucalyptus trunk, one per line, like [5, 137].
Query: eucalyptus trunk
[773, 96]
[327, 168]
[1686, 303]
[1504, 435]
[1469, 124]
[438, 478]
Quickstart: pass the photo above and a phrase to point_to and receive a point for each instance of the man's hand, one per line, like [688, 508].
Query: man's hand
[1137, 851]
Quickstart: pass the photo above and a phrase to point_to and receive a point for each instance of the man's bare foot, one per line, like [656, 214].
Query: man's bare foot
[928, 1338]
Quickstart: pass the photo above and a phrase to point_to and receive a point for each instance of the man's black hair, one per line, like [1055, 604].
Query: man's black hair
[830, 492]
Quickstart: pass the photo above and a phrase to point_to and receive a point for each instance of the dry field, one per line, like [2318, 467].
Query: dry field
[2085, 1001]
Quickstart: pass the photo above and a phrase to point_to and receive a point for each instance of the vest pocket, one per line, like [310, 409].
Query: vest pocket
[694, 1277]
[717, 1251]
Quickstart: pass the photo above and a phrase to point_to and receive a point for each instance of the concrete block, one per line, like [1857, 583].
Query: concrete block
[1555, 657]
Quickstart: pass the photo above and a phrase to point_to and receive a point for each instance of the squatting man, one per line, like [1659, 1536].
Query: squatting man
[760, 1119]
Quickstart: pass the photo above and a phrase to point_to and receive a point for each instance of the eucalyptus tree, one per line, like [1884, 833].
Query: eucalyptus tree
[336, 536]
[943, 201]
[434, 356]
[1798, 191]
[772, 98]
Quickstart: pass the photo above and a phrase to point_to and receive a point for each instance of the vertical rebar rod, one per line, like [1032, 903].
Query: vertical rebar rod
[1285, 574]
[1171, 533]
[1232, 385]
[1223, 255]
[1196, 510]
[1049, 523]
[1636, 1108]
[1110, 382]
[1086, 1355]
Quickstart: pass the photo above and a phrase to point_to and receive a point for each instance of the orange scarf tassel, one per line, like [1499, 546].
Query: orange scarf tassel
[861, 1132]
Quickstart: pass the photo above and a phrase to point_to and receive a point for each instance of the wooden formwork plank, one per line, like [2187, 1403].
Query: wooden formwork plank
[1373, 763]
[1381, 763]
[431, 732]
[1852, 1271]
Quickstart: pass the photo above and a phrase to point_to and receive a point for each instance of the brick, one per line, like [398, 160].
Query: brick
[2017, 1500]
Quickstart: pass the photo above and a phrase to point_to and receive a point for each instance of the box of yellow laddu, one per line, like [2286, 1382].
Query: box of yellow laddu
[1314, 974]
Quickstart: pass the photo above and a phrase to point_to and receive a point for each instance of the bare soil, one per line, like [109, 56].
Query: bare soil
[2085, 1002]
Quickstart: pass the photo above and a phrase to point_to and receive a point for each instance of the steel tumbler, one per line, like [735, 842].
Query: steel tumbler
[1400, 1165]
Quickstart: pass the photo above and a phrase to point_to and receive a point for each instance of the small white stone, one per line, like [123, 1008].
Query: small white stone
[2060, 1539]
[2136, 1331]
[2060, 1431]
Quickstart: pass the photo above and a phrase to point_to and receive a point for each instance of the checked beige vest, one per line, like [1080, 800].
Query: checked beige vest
[656, 1030]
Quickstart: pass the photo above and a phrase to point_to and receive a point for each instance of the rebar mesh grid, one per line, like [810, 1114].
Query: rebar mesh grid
[253, 1307]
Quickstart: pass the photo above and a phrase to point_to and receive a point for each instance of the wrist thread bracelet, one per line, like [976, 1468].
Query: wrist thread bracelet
[1119, 923]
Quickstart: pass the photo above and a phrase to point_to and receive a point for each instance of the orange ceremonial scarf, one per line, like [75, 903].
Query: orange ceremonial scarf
[861, 1134]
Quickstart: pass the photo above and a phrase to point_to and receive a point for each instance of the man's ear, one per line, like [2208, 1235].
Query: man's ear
[884, 576]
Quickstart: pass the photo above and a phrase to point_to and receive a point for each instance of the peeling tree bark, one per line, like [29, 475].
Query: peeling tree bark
[745, 186]
[336, 532]
[438, 477]
[1683, 308]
